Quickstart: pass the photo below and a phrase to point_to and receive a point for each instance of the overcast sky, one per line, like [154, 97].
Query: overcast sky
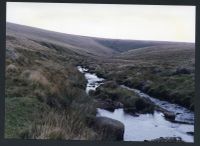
[138, 22]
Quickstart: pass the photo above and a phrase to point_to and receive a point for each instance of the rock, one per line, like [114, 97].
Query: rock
[108, 128]
[144, 105]
[190, 133]
[169, 115]
[165, 139]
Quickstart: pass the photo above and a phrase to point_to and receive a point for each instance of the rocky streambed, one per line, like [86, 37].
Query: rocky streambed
[167, 121]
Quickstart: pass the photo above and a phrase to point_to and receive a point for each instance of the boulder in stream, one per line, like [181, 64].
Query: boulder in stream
[169, 115]
[108, 128]
[190, 133]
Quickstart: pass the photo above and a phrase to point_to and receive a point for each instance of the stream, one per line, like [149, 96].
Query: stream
[146, 126]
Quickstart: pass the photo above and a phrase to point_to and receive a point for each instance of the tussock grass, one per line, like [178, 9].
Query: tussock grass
[67, 125]
[11, 68]
[35, 76]
[45, 93]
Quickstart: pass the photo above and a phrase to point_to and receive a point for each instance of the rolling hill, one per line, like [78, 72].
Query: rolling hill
[84, 44]
[76, 43]
[126, 45]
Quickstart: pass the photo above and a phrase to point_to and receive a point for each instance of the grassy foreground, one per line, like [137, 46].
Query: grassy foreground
[45, 93]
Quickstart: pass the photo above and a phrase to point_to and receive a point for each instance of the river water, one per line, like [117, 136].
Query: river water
[146, 126]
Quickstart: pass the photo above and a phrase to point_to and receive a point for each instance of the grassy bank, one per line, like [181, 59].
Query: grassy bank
[118, 97]
[45, 93]
[165, 84]
[166, 74]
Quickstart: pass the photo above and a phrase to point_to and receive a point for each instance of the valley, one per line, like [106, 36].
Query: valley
[48, 96]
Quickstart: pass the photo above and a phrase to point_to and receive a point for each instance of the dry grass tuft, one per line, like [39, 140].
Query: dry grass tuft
[11, 68]
[35, 76]
[67, 125]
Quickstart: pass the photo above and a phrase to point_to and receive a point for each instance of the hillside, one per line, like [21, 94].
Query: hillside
[76, 43]
[45, 92]
[44, 88]
[178, 53]
[120, 45]
[82, 44]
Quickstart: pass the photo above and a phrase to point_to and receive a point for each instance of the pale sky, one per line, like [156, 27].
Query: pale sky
[137, 22]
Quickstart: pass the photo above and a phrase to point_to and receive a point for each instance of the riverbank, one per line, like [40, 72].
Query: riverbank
[169, 81]
[154, 124]
[45, 93]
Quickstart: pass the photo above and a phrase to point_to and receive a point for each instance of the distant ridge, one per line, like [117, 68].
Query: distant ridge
[93, 45]
[86, 44]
